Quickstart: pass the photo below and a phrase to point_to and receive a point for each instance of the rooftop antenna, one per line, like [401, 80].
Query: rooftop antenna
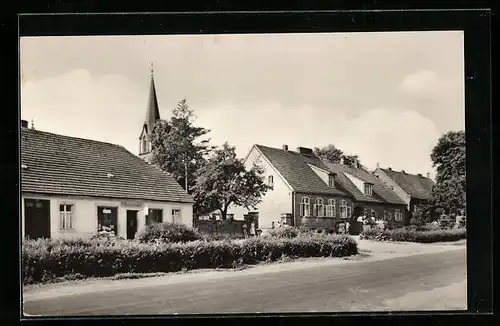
[32, 124]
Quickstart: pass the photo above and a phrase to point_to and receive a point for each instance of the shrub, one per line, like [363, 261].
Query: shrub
[45, 260]
[167, 232]
[445, 222]
[285, 232]
[413, 235]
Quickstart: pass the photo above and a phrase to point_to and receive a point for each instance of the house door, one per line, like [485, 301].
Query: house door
[131, 224]
[107, 219]
[36, 218]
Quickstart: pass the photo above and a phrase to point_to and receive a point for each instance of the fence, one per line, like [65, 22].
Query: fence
[227, 227]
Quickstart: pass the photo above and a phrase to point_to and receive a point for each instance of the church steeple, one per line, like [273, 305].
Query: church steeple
[152, 115]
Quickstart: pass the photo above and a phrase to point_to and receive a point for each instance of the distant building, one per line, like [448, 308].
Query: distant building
[73, 187]
[413, 189]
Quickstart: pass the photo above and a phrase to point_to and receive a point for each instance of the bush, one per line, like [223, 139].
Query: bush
[45, 260]
[413, 235]
[167, 232]
[285, 232]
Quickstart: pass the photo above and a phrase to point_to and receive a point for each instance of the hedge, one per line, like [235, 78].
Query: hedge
[412, 235]
[45, 260]
[168, 232]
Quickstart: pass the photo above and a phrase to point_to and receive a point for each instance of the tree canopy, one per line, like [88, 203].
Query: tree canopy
[224, 181]
[448, 157]
[177, 147]
[334, 155]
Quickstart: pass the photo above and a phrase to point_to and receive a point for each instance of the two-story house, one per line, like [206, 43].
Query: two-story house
[314, 193]
[413, 189]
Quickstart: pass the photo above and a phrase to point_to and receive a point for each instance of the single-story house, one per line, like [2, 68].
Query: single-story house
[74, 187]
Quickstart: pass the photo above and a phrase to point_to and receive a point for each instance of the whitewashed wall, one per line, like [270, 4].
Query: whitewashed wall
[85, 214]
[274, 202]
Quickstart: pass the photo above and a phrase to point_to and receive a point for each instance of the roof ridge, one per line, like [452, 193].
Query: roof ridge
[73, 137]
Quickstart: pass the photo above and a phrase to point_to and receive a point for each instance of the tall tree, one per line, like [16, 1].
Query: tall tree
[224, 181]
[176, 145]
[448, 157]
[334, 155]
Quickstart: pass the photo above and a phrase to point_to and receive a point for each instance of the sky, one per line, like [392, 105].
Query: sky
[386, 97]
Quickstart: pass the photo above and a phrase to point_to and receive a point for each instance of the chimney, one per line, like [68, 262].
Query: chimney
[24, 123]
[285, 147]
[305, 150]
[378, 165]
[420, 175]
[355, 163]
[403, 171]
[389, 168]
[428, 175]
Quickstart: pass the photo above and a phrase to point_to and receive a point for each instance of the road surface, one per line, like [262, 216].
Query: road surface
[418, 282]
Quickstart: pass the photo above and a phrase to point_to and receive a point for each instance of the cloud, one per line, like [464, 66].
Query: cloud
[422, 81]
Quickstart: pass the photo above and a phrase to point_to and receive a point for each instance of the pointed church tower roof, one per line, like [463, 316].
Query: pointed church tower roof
[153, 112]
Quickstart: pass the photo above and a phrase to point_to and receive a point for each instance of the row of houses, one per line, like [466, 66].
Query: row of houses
[321, 195]
[74, 187]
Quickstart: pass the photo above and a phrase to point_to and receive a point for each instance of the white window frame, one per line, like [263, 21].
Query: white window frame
[330, 208]
[343, 209]
[63, 217]
[368, 189]
[155, 209]
[319, 207]
[331, 181]
[305, 207]
[398, 216]
[179, 216]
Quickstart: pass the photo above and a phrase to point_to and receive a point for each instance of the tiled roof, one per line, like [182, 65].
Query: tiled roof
[56, 164]
[381, 193]
[416, 186]
[293, 167]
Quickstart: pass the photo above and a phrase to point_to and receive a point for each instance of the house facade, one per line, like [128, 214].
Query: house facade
[316, 194]
[74, 187]
[372, 198]
[413, 189]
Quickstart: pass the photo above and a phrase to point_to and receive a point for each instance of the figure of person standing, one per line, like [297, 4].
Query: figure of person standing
[252, 229]
[245, 231]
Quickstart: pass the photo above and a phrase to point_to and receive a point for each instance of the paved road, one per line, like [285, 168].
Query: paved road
[359, 286]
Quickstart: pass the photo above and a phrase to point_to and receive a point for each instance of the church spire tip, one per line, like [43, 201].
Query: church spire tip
[151, 68]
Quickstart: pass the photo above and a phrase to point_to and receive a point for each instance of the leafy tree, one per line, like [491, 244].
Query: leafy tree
[418, 217]
[448, 156]
[332, 154]
[224, 181]
[176, 147]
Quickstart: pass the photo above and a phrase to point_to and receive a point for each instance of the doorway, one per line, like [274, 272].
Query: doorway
[131, 224]
[36, 218]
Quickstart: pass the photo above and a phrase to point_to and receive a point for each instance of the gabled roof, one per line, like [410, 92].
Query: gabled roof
[57, 164]
[293, 167]
[416, 186]
[381, 193]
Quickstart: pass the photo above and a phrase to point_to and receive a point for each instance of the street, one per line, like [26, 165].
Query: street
[424, 281]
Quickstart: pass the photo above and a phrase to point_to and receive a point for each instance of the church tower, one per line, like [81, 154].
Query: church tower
[152, 115]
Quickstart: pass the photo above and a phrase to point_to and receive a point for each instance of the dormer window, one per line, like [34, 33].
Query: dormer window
[368, 189]
[331, 181]
[270, 181]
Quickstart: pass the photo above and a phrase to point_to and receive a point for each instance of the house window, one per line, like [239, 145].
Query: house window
[373, 213]
[331, 181]
[319, 208]
[305, 207]
[154, 216]
[368, 189]
[349, 210]
[398, 216]
[270, 180]
[176, 216]
[366, 212]
[330, 208]
[344, 209]
[389, 215]
[385, 214]
[66, 217]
